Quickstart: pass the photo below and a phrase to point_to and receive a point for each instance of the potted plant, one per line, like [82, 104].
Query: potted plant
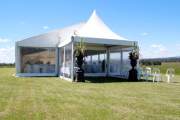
[133, 56]
[79, 55]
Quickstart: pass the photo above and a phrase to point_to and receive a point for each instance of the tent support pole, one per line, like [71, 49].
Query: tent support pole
[107, 64]
[121, 60]
[64, 62]
[57, 61]
[18, 59]
[72, 61]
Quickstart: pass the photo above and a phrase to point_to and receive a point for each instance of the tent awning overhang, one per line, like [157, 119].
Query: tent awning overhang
[106, 42]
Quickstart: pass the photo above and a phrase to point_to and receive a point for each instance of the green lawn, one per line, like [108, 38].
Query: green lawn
[54, 99]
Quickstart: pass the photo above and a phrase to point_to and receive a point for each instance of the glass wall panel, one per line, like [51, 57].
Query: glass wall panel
[115, 62]
[95, 61]
[38, 60]
[62, 61]
[126, 61]
[66, 61]
[102, 58]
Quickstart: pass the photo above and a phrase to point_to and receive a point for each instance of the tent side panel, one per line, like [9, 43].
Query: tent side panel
[57, 62]
[107, 64]
[17, 59]
[66, 62]
[72, 61]
[35, 61]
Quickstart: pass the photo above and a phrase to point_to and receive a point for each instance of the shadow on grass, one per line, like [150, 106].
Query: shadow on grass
[107, 80]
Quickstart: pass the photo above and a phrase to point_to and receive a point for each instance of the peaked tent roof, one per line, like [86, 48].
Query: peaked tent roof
[93, 28]
[96, 28]
[54, 38]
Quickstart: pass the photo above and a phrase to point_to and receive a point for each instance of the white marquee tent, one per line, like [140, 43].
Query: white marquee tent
[51, 54]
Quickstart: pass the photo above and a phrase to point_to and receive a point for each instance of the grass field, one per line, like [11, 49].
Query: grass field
[53, 99]
[166, 65]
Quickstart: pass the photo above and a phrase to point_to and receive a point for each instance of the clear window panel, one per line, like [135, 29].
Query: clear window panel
[66, 61]
[115, 62]
[94, 61]
[126, 61]
[38, 60]
[62, 61]
[102, 62]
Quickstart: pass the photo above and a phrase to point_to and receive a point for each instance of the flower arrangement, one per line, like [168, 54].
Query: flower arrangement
[79, 54]
[134, 55]
[80, 48]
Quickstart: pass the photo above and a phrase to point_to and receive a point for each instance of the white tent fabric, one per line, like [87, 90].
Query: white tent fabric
[52, 39]
[45, 40]
[66, 34]
[95, 28]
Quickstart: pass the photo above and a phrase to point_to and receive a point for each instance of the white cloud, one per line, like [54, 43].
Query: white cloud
[144, 34]
[160, 50]
[7, 55]
[4, 40]
[156, 51]
[159, 47]
[45, 27]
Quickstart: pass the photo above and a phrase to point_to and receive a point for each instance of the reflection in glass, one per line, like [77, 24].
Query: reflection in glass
[126, 61]
[66, 60]
[37, 60]
[115, 62]
[62, 61]
[95, 61]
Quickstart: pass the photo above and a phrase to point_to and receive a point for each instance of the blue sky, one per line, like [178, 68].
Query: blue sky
[155, 24]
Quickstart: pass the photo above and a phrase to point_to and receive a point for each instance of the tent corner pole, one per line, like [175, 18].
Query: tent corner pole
[72, 60]
[107, 64]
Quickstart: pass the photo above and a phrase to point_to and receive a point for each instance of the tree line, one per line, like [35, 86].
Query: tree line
[158, 61]
[148, 62]
[7, 64]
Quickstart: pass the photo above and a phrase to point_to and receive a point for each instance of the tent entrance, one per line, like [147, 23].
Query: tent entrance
[95, 63]
[103, 60]
[119, 63]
